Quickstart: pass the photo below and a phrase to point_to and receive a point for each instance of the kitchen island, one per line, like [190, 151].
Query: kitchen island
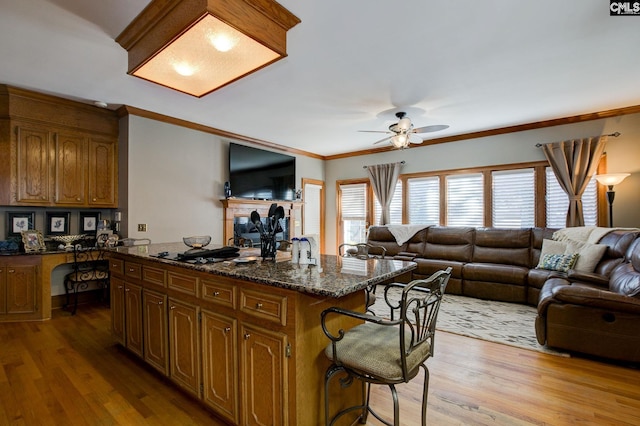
[243, 337]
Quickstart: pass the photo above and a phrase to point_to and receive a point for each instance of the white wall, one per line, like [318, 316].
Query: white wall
[175, 180]
[623, 155]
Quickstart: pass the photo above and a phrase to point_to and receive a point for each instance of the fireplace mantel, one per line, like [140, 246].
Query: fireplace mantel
[238, 207]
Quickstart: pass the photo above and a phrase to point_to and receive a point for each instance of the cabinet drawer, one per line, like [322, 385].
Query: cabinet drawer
[184, 283]
[266, 306]
[220, 292]
[116, 266]
[154, 276]
[133, 270]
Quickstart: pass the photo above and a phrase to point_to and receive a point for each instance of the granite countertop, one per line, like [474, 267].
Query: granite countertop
[334, 276]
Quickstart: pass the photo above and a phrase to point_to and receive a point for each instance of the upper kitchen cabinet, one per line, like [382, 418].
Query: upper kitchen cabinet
[60, 153]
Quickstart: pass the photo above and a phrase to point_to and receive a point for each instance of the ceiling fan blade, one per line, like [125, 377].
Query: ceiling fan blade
[429, 129]
[375, 131]
[413, 138]
[383, 140]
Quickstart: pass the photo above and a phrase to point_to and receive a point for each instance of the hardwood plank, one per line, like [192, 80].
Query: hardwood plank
[69, 371]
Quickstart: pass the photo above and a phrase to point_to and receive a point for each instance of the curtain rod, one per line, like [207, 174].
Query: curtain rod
[401, 162]
[614, 134]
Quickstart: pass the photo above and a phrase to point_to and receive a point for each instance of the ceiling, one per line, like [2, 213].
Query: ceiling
[352, 64]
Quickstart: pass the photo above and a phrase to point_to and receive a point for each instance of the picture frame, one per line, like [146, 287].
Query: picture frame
[18, 222]
[33, 241]
[58, 223]
[89, 222]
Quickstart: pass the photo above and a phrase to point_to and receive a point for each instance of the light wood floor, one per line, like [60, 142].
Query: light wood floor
[68, 371]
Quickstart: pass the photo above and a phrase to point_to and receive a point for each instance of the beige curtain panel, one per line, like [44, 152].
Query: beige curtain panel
[574, 162]
[383, 179]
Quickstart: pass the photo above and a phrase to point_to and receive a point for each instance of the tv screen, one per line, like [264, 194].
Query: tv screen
[262, 175]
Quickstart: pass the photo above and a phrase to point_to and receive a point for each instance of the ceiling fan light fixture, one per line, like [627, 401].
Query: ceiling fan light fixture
[220, 41]
[400, 141]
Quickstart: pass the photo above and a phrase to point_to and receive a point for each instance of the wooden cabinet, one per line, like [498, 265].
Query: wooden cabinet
[156, 351]
[33, 166]
[133, 318]
[56, 152]
[220, 364]
[102, 172]
[117, 307]
[19, 287]
[251, 353]
[70, 169]
[264, 376]
[184, 344]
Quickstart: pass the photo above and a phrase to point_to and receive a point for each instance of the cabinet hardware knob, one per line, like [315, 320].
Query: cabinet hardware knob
[227, 329]
[172, 307]
[131, 269]
[94, 199]
[258, 305]
[119, 286]
[127, 289]
[160, 302]
[246, 336]
[11, 271]
[78, 199]
[216, 293]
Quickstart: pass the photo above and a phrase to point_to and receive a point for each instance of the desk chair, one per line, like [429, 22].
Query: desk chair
[89, 265]
[386, 350]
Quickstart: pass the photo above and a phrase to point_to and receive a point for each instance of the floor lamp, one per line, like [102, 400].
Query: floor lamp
[610, 180]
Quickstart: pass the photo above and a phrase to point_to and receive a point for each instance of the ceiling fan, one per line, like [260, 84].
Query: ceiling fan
[403, 133]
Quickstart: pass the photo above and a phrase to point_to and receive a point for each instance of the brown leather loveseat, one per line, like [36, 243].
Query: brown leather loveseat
[503, 265]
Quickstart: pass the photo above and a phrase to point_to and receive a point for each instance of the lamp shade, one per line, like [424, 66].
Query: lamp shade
[198, 46]
[611, 179]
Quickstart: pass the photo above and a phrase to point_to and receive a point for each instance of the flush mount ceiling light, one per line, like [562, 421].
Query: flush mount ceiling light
[198, 46]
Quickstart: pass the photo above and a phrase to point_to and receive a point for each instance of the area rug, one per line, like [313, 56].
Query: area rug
[501, 322]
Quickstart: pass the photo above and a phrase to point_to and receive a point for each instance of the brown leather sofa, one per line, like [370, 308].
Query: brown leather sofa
[500, 264]
[594, 315]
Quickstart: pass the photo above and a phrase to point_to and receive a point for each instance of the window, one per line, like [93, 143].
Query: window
[395, 208]
[513, 198]
[503, 196]
[465, 200]
[353, 212]
[424, 200]
[557, 202]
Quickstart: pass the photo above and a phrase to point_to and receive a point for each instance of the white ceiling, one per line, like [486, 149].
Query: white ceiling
[474, 65]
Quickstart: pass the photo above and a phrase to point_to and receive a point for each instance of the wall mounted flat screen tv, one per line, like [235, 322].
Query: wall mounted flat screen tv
[261, 175]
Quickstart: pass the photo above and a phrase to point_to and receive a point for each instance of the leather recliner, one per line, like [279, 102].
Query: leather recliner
[592, 315]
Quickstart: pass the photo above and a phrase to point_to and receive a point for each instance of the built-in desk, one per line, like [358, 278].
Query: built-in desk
[25, 284]
[243, 338]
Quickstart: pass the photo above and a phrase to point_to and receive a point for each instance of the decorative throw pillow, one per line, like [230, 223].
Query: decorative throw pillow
[558, 262]
[590, 254]
[551, 247]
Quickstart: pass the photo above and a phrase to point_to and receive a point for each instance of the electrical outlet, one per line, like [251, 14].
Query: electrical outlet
[142, 227]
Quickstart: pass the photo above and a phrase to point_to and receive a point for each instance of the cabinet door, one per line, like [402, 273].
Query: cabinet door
[133, 318]
[3, 289]
[21, 289]
[156, 352]
[34, 169]
[264, 376]
[184, 344]
[219, 364]
[71, 166]
[117, 309]
[102, 172]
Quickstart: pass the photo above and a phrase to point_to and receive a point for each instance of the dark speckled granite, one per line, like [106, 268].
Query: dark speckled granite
[334, 276]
